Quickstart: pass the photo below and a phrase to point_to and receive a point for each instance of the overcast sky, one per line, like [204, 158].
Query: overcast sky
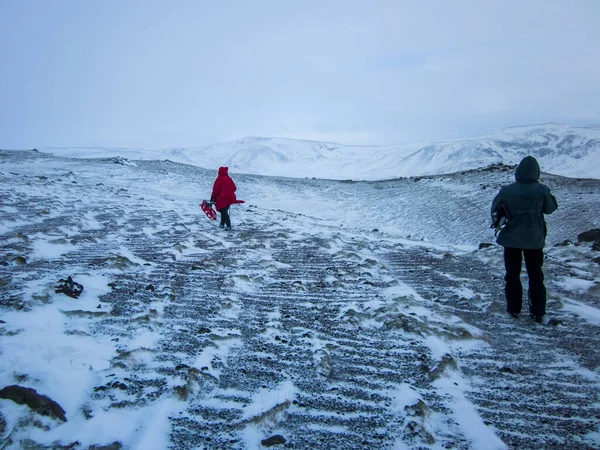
[171, 73]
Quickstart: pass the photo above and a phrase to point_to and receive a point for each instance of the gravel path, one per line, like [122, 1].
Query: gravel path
[331, 338]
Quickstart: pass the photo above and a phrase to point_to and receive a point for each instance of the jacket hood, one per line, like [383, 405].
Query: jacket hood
[223, 171]
[528, 170]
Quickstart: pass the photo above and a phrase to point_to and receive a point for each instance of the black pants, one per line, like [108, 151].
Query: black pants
[534, 259]
[225, 220]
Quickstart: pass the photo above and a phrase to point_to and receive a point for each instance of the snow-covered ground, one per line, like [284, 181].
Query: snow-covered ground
[335, 314]
[560, 149]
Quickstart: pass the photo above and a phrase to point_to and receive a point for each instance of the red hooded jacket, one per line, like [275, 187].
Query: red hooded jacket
[224, 190]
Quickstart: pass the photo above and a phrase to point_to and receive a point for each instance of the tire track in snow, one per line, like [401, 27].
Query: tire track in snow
[308, 322]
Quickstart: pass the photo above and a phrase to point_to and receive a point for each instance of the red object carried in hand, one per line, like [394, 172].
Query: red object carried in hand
[208, 210]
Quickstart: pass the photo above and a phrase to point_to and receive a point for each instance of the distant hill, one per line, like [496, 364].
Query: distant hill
[560, 149]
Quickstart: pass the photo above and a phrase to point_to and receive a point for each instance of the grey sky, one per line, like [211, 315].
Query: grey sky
[174, 73]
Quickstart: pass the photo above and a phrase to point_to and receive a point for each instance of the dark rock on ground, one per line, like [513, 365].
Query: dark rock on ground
[113, 446]
[564, 243]
[39, 403]
[589, 236]
[119, 385]
[273, 440]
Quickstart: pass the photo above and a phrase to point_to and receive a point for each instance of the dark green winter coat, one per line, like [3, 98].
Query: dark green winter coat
[525, 202]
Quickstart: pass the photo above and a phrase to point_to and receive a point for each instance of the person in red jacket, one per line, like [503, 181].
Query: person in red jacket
[223, 194]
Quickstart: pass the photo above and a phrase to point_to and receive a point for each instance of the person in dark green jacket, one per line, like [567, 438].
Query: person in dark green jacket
[524, 204]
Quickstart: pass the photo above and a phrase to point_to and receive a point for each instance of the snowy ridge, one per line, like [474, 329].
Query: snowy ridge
[560, 149]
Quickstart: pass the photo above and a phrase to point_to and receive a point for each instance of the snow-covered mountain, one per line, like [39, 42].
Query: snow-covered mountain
[560, 149]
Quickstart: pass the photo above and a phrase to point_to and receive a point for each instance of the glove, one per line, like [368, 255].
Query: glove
[212, 199]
